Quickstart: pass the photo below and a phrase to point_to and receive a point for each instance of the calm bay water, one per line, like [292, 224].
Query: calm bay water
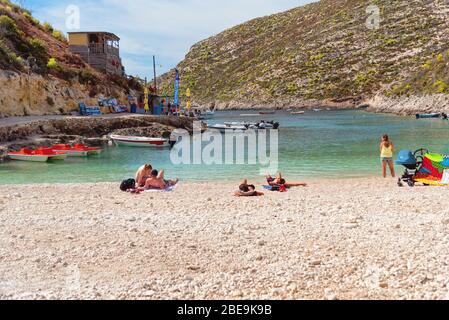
[327, 144]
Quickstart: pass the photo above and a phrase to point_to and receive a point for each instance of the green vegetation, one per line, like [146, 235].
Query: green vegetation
[48, 27]
[320, 51]
[52, 64]
[441, 86]
[59, 35]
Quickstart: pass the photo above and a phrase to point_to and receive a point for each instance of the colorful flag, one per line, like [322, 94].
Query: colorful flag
[177, 79]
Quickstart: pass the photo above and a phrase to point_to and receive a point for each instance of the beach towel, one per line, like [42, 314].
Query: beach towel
[168, 189]
[275, 188]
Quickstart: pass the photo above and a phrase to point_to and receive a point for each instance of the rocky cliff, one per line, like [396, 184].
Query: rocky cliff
[331, 52]
[38, 73]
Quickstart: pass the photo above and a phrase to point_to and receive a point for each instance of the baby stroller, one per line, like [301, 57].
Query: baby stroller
[412, 161]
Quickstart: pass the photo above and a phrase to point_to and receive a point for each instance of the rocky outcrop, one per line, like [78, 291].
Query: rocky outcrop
[410, 105]
[22, 94]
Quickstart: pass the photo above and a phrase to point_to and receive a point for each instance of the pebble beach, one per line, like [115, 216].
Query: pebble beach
[361, 238]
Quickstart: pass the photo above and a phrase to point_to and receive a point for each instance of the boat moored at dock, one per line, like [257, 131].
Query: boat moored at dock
[140, 142]
[39, 155]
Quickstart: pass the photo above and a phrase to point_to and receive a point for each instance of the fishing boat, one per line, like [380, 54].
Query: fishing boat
[428, 115]
[298, 112]
[70, 151]
[40, 155]
[141, 142]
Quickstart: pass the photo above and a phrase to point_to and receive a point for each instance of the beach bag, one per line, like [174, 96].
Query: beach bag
[127, 184]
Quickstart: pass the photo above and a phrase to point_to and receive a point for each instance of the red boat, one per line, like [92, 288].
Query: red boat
[90, 150]
[78, 150]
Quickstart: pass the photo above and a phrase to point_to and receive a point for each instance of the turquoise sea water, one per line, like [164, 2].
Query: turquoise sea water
[327, 144]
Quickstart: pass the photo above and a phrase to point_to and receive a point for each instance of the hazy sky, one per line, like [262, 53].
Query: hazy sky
[166, 28]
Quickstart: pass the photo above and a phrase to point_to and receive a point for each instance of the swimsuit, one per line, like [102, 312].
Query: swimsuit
[386, 153]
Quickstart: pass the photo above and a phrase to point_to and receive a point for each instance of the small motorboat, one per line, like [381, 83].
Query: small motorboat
[70, 151]
[39, 155]
[428, 115]
[317, 110]
[228, 127]
[141, 142]
[297, 113]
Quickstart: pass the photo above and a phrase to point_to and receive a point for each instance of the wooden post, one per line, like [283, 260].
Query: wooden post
[155, 80]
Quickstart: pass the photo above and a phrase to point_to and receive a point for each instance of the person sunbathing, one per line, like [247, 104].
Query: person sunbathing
[157, 181]
[280, 181]
[142, 175]
[247, 190]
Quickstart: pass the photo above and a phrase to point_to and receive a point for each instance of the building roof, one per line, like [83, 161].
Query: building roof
[108, 34]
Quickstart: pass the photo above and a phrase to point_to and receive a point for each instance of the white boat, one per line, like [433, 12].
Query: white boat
[254, 125]
[142, 142]
[298, 112]
[317, 110]
[27, 157]
[227, 127]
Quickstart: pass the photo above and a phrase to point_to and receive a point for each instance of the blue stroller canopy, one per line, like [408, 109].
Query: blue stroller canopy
[406, 157]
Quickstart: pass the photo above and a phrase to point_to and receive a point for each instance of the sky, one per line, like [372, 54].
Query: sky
[165, 28]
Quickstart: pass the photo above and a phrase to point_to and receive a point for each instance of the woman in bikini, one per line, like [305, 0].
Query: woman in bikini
[386, 156]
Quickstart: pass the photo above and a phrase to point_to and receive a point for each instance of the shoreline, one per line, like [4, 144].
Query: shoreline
[258, 181]
[349, 239]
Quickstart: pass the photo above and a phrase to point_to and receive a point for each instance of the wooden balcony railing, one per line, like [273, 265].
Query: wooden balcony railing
[99, 48]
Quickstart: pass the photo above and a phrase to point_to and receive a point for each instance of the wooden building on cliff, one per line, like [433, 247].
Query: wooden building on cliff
[101, 50]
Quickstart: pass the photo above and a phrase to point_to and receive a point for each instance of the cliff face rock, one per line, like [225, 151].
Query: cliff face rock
[23, 94]
[320, 52]
[410, 105]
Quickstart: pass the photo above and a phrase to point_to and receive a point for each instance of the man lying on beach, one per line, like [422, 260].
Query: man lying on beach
[247, 190]
[142, 175]
[156, 181]
[280, 181]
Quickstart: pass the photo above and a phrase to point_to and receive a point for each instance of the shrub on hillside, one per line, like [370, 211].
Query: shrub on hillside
[52, 64]
[31, 19]
[48, 27]
[8, 59]
[59, 35]
[38, 50]
[441, 86]
[8, 26]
